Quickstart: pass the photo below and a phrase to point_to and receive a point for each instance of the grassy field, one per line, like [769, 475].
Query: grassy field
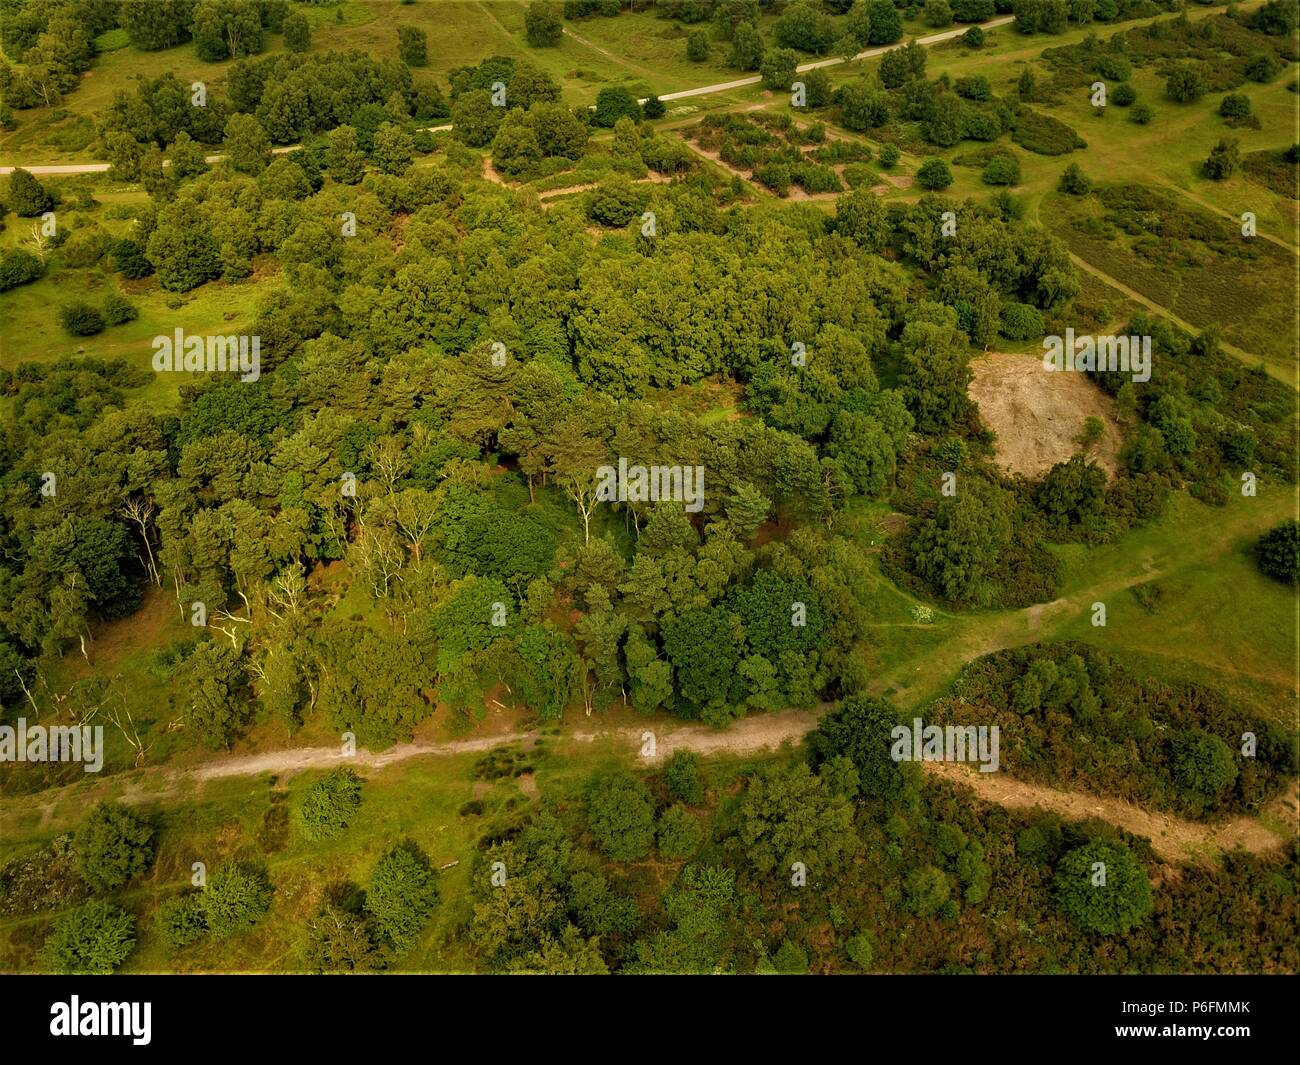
[1220, 618]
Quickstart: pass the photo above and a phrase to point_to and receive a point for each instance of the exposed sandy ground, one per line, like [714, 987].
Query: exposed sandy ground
[1175, 840]
[760, 732]
[1038, 414]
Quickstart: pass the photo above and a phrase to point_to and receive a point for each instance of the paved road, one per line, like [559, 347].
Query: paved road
[704, 90]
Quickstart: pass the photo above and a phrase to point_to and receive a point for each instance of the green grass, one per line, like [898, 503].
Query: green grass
[1222, 620]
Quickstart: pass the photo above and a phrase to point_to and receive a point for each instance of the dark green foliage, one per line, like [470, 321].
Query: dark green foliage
[81, 319]
[1278, 552]
[542, 24]
[1045, 135]
[183, 920]
[1121, 733]
[612, 103]
[682, 775]
[1203, 763]
[18, 266]
[859, 729]
[1074, 181]
[778, 69]
[118, 309]
[1185, 84]
[1103, 889]
[27, 196]
[678, 834]
[620, 815]
[1263, 67]
[1001, 170]
[412, 46]
[236, 898]
[93, 939]
[934, 174]
[1223, 160]
[1019, 321]
[403, 891]
[113, 845]
[330, 803]
[297, 33]
[1235, 105]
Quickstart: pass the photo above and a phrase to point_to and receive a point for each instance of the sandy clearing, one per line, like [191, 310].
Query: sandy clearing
[1176, 841]
[1038, 415]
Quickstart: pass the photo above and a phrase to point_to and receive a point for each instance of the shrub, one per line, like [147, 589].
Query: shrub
[861, 952]
[679, 833]
[119, 310]
[1263, 67]
[654, 108]
[182, 920]
[937, 14]
[697, 46]
[1045, 135]
[778, 69]
[1223, 161]
[1141, 114]
[1074, 181]
[330, 804]
[236, 898]
[27, 196]
[1123, 95]
[1021, 322]
[973, 87]
[403, 891]
[1235, 105]
[542, 25]
[973, 37]
[934, 174]
[1202, 763]
[112, 845]
[612, 103]
[18, 266]
[1278, 552]
[790, 959]
[1002, 170]
[620, 814]
[889, 155]
[682, 775]
[93, 939]
[80, 319]
[1185, 84]
[129, 259]
[1102, 888]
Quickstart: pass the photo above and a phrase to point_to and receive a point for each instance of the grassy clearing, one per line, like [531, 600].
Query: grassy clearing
[1225, 620]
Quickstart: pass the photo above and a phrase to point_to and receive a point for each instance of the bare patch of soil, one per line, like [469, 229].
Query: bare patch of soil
[1039, 415]
[1175, 840]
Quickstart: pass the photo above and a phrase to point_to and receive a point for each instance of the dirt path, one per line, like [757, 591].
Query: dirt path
[1165, 312]
[1175, 840]
[969, 636]
[1225, 214]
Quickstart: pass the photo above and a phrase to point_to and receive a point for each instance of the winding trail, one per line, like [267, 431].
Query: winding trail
[1175, 840]
[1183, 324]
